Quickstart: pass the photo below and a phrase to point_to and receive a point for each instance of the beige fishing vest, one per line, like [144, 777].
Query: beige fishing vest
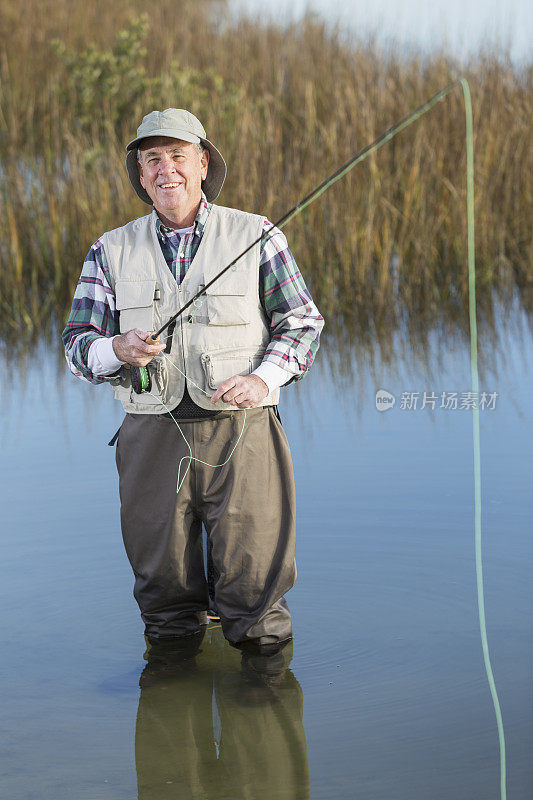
[224, 333]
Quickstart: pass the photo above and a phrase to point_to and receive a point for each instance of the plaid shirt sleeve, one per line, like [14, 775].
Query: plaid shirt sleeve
[295, 321]
[93, 314]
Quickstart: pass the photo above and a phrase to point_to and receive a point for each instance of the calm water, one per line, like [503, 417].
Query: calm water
[386, 695]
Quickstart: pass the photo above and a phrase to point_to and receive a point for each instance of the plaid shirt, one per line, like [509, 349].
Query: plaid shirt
[295, 321]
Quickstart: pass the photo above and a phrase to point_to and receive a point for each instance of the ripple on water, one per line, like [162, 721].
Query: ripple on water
[391, 634]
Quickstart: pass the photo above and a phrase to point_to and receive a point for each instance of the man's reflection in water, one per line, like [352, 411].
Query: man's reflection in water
[217, 724]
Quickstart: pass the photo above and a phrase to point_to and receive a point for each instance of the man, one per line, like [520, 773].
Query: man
[255, 330]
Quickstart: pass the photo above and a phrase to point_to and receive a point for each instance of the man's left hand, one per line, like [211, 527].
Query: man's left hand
[243, 391]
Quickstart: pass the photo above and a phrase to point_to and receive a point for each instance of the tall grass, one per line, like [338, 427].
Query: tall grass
[286, 105]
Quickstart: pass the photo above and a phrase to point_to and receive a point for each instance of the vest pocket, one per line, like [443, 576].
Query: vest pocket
[227, 310]
[135, 301]
[223, 364]
[227, 302]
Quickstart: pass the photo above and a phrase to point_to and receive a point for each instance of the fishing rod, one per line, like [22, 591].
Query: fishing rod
[140, 376]
[316, 192]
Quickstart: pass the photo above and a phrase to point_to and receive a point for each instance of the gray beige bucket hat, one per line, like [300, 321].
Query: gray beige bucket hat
[177, 124]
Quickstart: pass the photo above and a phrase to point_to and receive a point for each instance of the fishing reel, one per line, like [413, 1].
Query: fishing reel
[141, 380]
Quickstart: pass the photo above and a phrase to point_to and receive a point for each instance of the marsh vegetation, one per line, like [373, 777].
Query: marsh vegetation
[385, 248]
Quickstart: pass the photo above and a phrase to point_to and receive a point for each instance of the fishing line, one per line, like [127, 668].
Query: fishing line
[475, 426]
[190, 458]
[385, 137]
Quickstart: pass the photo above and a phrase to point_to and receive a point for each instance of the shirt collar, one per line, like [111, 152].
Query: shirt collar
[199, 222]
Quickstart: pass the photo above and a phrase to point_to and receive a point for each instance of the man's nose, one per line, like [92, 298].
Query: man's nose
[166, 166]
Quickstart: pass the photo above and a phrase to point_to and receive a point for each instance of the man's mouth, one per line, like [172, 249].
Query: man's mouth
[169, 185]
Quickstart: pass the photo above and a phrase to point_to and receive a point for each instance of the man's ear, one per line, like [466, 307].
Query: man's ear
[141, 179]
[205, 162]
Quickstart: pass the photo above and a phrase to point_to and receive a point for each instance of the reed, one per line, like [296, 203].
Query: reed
[383, 248]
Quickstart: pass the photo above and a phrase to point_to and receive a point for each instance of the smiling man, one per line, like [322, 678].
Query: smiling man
[256, 330]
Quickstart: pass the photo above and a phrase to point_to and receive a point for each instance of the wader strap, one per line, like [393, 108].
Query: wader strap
[115, 437]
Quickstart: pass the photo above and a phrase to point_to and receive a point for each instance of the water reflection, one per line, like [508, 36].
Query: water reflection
[396, 699]
[215, 723]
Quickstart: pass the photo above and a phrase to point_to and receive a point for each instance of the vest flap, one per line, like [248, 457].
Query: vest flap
[134, 294]
[232, 283]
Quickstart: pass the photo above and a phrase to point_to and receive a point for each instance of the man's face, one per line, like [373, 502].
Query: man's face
[171, 171]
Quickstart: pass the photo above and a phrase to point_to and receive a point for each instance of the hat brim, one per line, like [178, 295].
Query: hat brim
[216, 170]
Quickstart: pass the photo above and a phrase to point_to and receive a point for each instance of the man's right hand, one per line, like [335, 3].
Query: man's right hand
[132, 348]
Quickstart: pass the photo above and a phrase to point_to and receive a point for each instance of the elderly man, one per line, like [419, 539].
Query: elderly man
[208, 411]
